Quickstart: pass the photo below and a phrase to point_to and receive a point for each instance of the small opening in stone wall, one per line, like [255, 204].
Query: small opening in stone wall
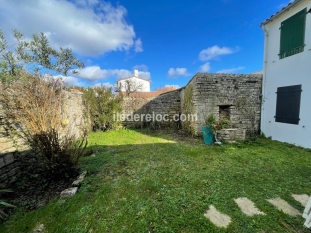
[224, 112]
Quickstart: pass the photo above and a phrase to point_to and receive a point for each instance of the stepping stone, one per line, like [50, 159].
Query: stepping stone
[306, 213]
[282, 205]
[80, 179]
[67, 193]
[217, 218]
[301, 198]
[248, 207]
[39, 229]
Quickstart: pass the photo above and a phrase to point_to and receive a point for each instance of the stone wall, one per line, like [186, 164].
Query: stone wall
[231, 135]
[12, 145]
[74, 109]
[222, 95]
[235, 97]
[166, 107]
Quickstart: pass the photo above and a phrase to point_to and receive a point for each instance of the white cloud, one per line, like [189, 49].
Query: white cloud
[205, 67]
[175, 72]
[141, 67]
[120, 73]
[94, 73]
[89, 27]
[214, 52]
[107, 85]
[144, 75]
[143, 71]
[174, 86]
[231, 71]
[85, 3]
[69, 80]
[138, 47]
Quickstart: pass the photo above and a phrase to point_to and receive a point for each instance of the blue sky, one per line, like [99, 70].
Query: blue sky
[167, 41]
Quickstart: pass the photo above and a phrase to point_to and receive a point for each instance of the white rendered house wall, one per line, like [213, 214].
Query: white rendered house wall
[134, 83]
[289, 71]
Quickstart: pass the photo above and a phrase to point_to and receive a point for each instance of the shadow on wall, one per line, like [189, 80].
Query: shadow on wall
[9, 165]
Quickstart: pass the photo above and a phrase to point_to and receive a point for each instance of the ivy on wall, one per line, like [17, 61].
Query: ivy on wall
[188, 108]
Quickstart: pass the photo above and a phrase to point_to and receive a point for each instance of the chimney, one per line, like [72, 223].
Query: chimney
[136, 73]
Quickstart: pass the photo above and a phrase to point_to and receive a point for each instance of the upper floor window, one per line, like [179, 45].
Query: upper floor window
[293, 34]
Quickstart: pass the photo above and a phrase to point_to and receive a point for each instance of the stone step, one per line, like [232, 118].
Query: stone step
[217, 218]
[282, 205]
[247, 206]
[301, 198]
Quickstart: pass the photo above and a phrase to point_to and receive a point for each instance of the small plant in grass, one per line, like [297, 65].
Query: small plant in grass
[225, 124]
[3, 203]
[210, 121]
[216, 125]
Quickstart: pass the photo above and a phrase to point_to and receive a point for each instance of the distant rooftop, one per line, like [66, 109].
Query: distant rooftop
[151, 94]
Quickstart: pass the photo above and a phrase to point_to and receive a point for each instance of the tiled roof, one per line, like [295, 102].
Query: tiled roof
[286, 8]
[151, 94]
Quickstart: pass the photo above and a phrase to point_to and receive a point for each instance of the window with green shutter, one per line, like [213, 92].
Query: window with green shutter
[293, 34]
[288, 104]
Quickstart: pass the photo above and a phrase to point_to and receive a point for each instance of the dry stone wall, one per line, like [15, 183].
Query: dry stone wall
[12, 146]
[163, 110]
[130, 106]
[237, 95]
[74, 110]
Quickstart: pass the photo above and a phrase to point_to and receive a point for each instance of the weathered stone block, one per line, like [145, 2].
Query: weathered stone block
[13, 171]
[2, 164]
[8, 159]
[6, 146]
[80, 179]
[3, 177]
[67, 193]
[11, 179]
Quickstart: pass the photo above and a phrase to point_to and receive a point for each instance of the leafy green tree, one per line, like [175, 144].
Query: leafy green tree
[34, 55]
[103, 104]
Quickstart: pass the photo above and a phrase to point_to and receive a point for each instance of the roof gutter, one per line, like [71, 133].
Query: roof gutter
[293, 4]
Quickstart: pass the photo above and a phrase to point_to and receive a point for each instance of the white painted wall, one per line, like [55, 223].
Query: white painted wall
[293, 70]
[145, 85]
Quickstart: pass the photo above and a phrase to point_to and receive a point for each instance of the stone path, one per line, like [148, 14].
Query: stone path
[249, 208]
[302, 198]
[219, 219]
[282, 205]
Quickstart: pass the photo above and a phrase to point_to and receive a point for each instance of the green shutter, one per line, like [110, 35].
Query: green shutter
[293, 34]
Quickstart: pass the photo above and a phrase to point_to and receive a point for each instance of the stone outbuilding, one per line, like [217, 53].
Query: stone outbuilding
[233, 97]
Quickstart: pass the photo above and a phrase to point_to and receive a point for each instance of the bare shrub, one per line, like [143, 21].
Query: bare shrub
[34, 102]
[129, 86]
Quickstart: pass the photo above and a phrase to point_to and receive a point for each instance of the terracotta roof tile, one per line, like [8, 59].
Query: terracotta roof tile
[151, 94]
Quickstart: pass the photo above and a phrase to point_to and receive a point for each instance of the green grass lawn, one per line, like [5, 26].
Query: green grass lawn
[140, 182]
